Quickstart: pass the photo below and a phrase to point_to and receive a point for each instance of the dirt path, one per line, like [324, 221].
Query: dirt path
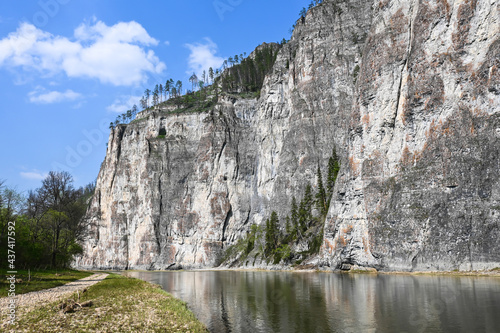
[29, 301]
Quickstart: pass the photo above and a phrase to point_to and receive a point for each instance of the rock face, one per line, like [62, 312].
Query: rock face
[408, 94]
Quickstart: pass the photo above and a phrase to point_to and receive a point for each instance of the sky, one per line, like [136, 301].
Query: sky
[69, 67]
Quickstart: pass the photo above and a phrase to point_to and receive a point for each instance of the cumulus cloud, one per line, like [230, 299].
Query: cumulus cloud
[41, 96]
[34, 175]
[203, 56]
[124, 103]
[112, 54]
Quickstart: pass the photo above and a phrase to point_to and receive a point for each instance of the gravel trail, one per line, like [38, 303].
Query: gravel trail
[29, 301]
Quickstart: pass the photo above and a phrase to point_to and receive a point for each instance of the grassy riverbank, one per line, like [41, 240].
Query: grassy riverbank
[35, 280]
[119, 304]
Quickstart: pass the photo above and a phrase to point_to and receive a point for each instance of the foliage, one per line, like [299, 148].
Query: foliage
[49, 223]
[248, 76]
[302, 225]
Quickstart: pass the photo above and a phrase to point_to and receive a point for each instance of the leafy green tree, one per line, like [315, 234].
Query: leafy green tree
[55, 211]
[161, 92]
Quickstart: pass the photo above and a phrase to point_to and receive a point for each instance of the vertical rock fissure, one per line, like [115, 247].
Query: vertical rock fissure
[404, 67]
[226, 222]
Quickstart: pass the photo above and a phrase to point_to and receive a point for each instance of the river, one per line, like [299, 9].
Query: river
[256, 301]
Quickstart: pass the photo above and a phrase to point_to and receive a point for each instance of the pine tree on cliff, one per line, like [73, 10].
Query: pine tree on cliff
[333, 171]
[305, 209]
[272, 234]
[147, 93]
[321, 201]
[194, 81]
[156, 92]
[294, 218]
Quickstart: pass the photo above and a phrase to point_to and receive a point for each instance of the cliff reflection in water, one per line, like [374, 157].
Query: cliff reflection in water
[247, 301]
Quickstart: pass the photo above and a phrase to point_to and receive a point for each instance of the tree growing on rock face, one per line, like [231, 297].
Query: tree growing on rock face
[272, 234]
[321, 201]
[333, 171]
[305, 209]
[156, 93]
[147, 94]
[211, 74]
[194, 81]
[178, 85]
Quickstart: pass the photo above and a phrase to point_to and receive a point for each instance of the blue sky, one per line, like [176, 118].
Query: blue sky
[69, 67]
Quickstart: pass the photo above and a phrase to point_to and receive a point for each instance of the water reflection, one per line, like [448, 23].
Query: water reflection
[245, 301]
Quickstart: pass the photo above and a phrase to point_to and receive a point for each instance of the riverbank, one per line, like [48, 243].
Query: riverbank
[495, 272]
[117, 303]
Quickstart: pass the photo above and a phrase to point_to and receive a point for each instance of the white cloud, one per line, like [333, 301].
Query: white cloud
[203, 56]
[124, 103]
[34, 175]
[39, 95]
[112, 54]
[167, 43]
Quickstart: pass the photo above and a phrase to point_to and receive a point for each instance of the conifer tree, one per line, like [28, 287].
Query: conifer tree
[272, 234]
[333, 171]
[294, 215]
[147, 93]
[321, 203]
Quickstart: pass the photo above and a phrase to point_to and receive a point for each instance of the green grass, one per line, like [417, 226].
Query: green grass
[40, 279]
[120, 304]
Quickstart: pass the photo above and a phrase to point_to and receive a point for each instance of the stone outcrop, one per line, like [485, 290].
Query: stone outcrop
[408, 94]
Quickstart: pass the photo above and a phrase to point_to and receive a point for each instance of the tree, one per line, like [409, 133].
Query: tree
[294, 215]
[272, 234]
[211, 74]
[305, 209]
[144, 104]
[147, 93]
[168, 86]
[161, 92]
[303, 12]
[56, 210]
[134, 111]
[333, 171]
[156, 93]
[321, 201]
[194, 81]
[178, 85]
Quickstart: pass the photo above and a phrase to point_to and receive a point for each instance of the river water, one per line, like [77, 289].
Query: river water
[249, 301]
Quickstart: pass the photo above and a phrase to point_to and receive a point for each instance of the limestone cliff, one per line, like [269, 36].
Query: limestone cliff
[408, 94]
